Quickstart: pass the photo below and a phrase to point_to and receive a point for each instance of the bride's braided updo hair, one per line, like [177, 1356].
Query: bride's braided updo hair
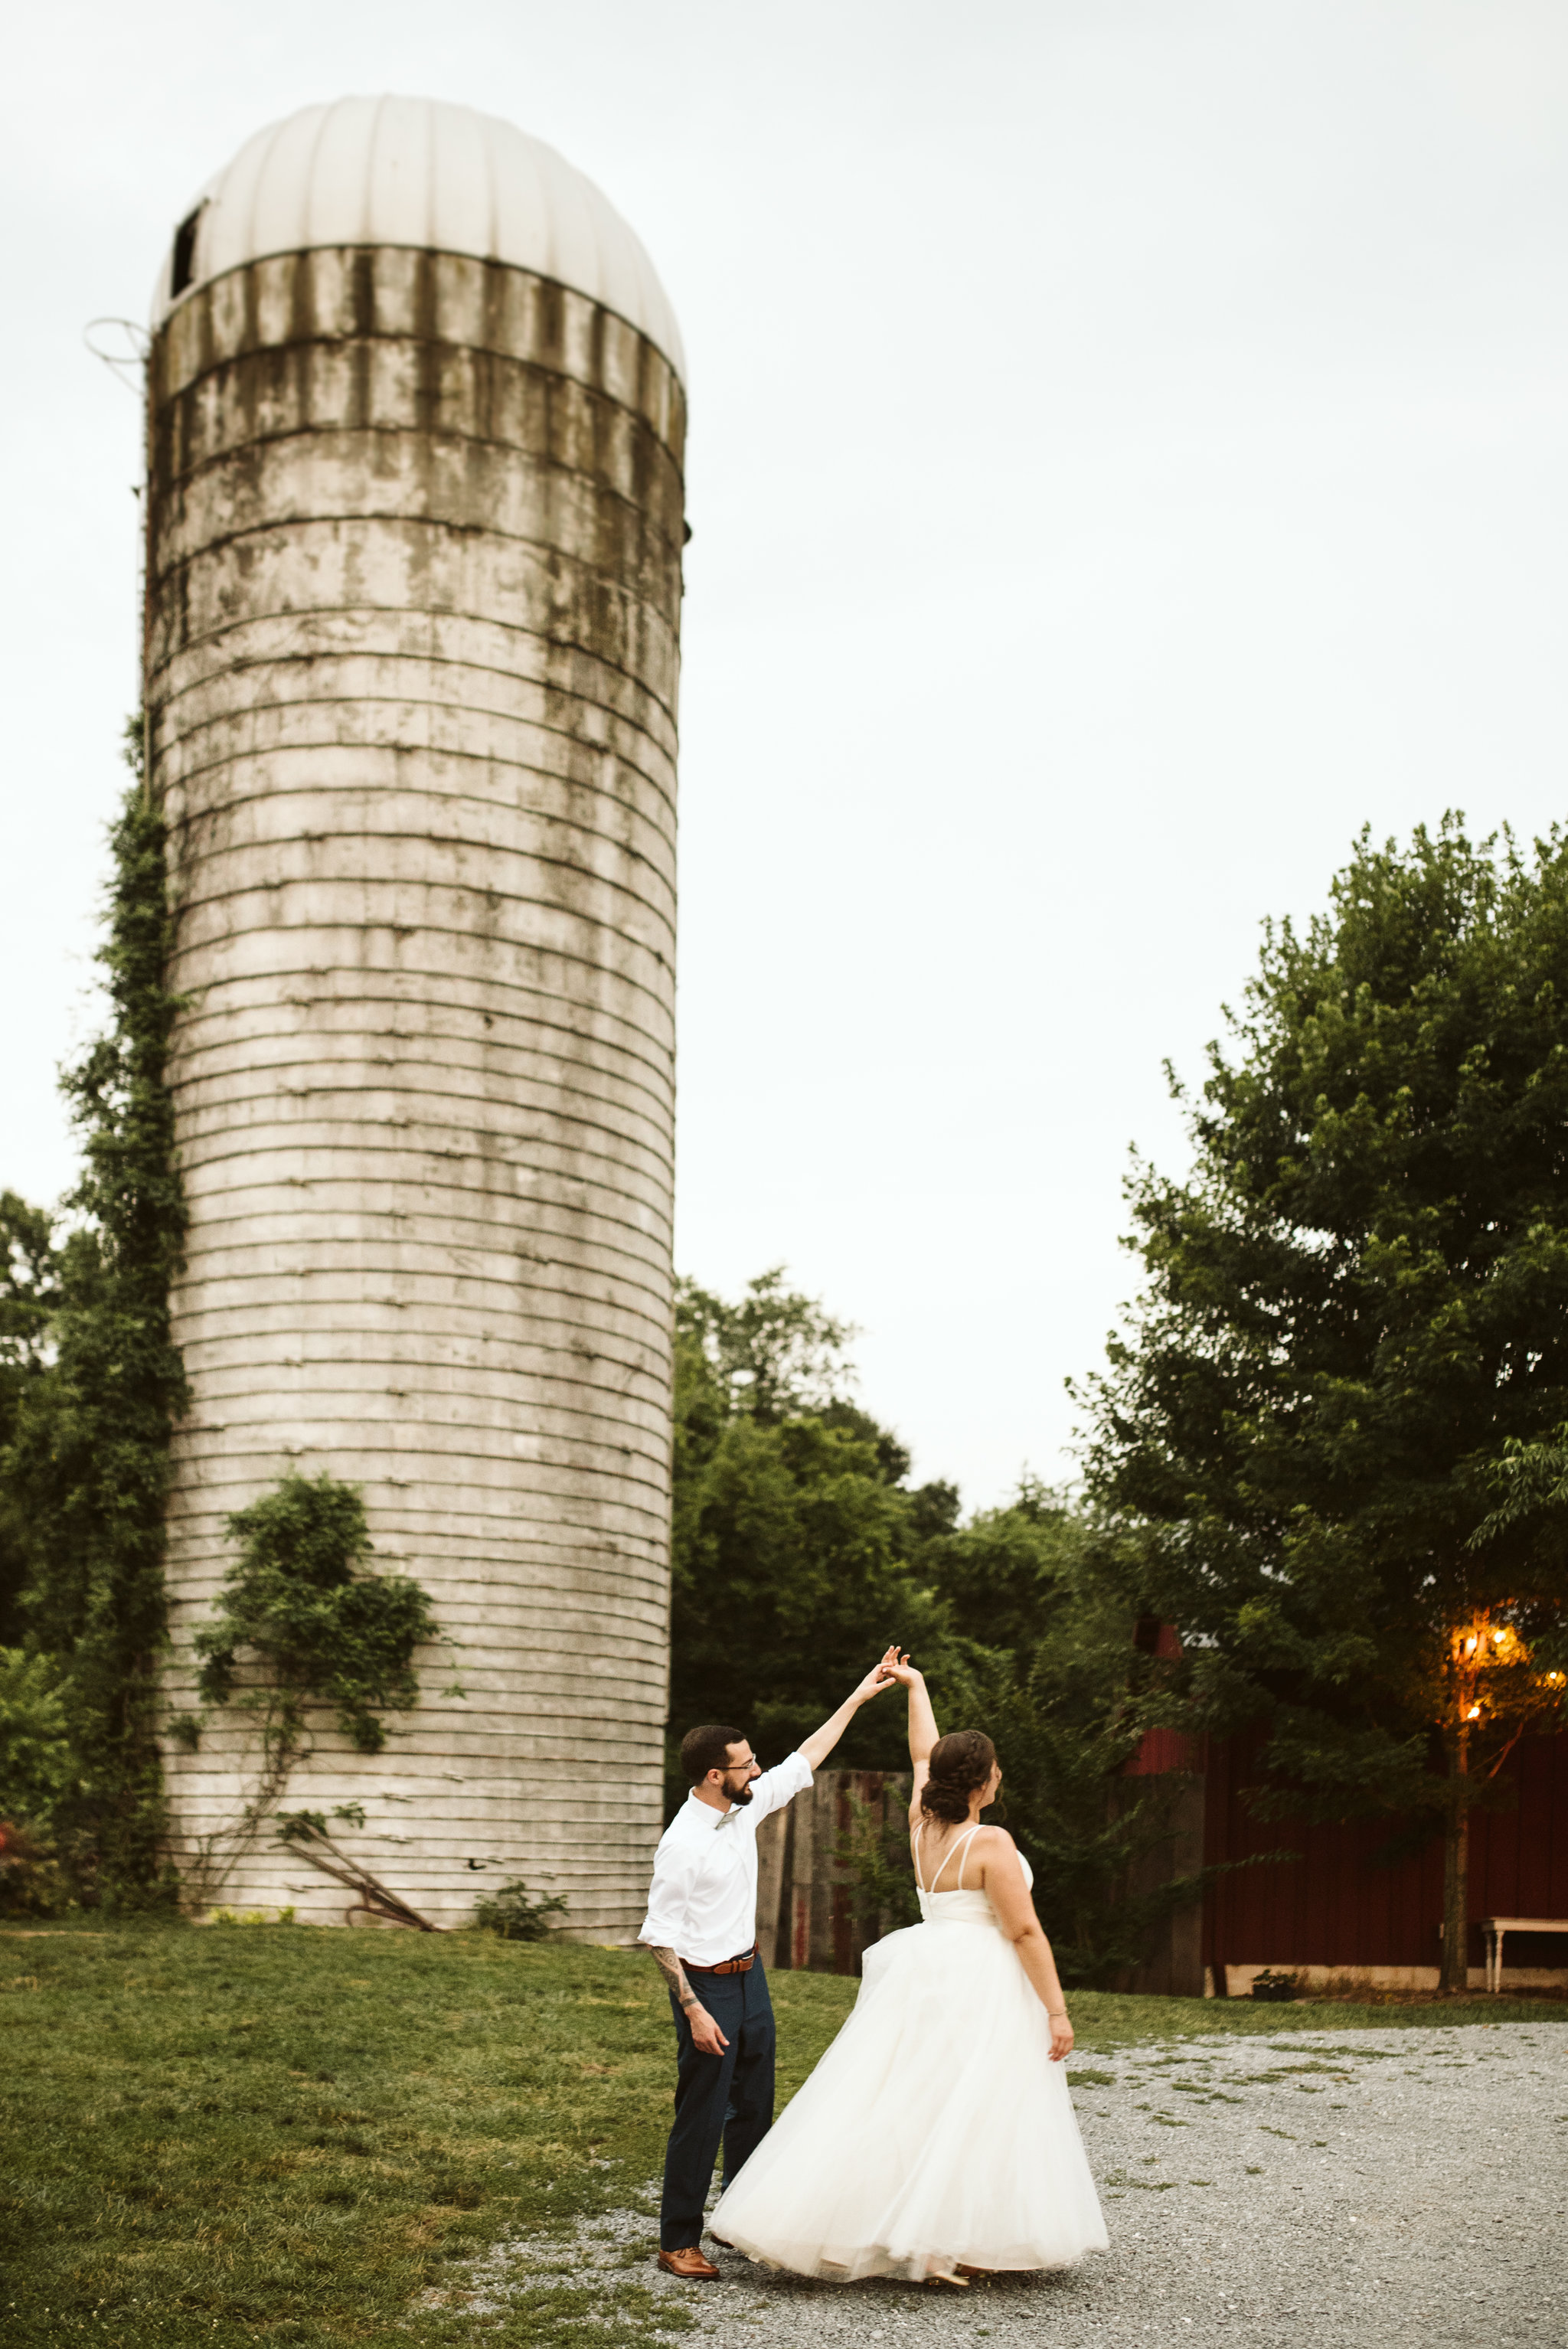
[960, 1762]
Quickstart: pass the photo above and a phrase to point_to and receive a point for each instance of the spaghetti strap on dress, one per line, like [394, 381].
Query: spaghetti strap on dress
[962, 1848]
[936, 2132]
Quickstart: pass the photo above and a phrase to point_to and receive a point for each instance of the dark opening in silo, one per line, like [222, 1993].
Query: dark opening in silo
[183, 269]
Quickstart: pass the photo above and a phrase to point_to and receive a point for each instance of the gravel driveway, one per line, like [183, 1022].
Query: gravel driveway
[1396, 2187]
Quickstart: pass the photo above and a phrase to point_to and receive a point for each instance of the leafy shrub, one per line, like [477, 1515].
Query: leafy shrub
[37, 1767]
[32, 1881]
[317, 1626]
[516, 1914]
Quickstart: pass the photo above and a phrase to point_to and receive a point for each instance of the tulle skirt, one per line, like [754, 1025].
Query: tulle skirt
[934, 2132]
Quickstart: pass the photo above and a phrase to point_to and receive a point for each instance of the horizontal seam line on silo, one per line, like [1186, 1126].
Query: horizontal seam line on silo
[549, 1567]
[640, 1402]
[565, 1419]
[520, 1278]
[622, 1224]
[201, 1060]
[538, 1021]
[632, 901]
[553, 1398]
[510, 629]
[634, 1593]
[645, 1502]
[258, 755]
[425, 930]
[640, 1390]
[591, 1444]
[646, 1316]
[641, 1568]
[538, 1596]
[319, 340]
[161, 580]
[190, 904]
[575, 1181]
[640, 1309]
[542, 1525]
[634, 1589]
[170, 740]
[571, 1295]
[542, 467]
[426, 659]
[249, 1080]
[644, 1387]
[643, 1499]
[197, 1127]
[411, 338]
[328, 796]
[543, 1033]
[265, 1076]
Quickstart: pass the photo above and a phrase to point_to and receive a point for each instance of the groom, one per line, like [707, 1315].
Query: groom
[701, 1927]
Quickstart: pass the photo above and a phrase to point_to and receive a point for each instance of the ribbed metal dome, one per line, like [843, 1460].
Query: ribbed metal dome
[417, 172]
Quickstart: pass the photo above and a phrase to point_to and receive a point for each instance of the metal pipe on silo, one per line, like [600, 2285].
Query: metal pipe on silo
[416, 426]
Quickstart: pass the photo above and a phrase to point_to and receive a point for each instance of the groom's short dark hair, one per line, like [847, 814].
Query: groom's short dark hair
[708, 1748]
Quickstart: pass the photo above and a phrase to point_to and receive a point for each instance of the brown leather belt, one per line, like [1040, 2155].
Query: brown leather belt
[742, 1965]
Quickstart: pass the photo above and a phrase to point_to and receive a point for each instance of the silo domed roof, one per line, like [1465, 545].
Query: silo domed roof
[417, 172]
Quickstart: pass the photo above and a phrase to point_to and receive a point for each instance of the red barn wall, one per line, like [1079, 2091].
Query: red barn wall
[1335, 1907]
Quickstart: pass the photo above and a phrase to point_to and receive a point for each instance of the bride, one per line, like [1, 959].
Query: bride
[936, 2139]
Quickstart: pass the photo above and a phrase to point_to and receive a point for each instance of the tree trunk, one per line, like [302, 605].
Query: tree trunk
[1455, 1974]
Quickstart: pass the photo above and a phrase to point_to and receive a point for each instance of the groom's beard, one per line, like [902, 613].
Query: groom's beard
[744, 1796]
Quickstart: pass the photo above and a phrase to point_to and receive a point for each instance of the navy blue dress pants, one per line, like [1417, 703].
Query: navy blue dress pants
[725, 2098]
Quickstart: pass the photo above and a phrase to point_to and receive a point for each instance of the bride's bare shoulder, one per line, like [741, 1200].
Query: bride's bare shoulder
[994, 1841]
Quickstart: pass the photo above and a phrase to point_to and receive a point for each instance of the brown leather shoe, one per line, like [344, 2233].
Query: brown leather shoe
[690, 2264]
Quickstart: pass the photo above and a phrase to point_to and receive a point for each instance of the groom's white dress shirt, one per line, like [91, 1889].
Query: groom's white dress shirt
[702, 1903]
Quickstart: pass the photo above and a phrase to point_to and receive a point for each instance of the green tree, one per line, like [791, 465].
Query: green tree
[1356, 1317]
[29, 1298]
[1013, 1571]
[774, 1355]
[38, 1777]
[793, 1531]
[89, 1463]
[36, 1765]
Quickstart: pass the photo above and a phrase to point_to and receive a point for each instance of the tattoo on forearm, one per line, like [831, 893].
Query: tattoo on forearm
[670, 1966]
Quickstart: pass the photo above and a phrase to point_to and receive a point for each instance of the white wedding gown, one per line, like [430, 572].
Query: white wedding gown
[936, 2131]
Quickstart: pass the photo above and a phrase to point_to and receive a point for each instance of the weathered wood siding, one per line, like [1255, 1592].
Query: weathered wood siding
[415, 528]
[808, 1916]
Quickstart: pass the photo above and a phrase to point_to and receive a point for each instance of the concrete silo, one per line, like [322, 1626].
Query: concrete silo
[414, 575]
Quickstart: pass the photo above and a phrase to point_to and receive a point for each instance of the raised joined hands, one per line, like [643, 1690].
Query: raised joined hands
[884, 1673]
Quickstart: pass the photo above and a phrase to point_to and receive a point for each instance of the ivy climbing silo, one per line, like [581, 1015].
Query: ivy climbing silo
[414, 573]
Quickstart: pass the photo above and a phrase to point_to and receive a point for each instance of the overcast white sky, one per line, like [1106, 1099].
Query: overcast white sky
[1128, 454]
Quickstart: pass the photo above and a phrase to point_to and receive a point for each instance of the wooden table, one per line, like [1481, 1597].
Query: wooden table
[1495, 1928]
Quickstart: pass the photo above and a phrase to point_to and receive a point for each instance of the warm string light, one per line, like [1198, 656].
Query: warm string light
[1475, 1647]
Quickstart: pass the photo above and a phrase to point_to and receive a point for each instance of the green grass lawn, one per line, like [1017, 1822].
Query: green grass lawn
[273, 2134]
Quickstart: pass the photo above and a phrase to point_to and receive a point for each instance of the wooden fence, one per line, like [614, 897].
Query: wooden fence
[810, 1913]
